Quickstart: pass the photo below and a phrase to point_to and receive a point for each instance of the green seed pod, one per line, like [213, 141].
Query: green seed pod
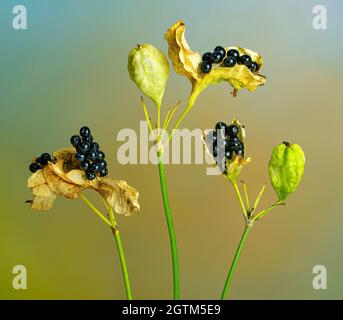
[286, 168]
[149, 70]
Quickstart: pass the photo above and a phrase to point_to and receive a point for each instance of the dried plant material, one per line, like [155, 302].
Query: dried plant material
[122, 197]
[64, 178]
[230, 168]
[187, 62]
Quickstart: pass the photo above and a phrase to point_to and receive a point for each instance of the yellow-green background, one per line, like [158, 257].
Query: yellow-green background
[69, 69]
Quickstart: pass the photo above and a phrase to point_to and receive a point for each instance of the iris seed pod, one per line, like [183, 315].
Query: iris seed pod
[286, 168]
[149, 70]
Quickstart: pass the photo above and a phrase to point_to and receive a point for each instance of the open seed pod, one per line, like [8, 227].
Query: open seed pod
[231, 166]
[63, 177]
[187, 62]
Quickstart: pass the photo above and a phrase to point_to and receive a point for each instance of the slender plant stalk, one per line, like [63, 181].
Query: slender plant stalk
[113, 225]
[234, 262]
[169, 219]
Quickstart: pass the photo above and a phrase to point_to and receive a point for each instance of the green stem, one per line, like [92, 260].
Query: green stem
[169, 219]
[122, 259]
[115, 231]
[234, 262]
[238, 194]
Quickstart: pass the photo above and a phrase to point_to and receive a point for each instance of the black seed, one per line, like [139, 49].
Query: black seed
[85, 165]
[88, 139]
[215, 151]
[103, 172]
[94, 167]
[221, 50]
[232, 130]
[84, 147]
[228, 154]
[75, 140]
[79, 156]
[221, 126]
[90, 175]
[34, 167]
[253, 67]
[245, 60]
[102, 164]
[240, 152]
[217, 57]
[85, 132]
[233, 53]
[230, 62]
[91, 155]
[94, 146]
[206, 67]
[43, 159]
[234, 146]
[101, 155]
[207, 57]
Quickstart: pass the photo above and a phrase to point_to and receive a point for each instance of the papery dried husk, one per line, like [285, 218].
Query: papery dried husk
[62, 177]
[187, 62]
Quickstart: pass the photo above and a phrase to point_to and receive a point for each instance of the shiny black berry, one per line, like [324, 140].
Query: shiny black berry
[245, 60]
[84, 147]
[85, 165]
[228, 154]
[230, 62]
[207, 56]
[215, 151]
[34, 167]
[91, 155]
[94, 146]
[85, 132]
[233, 53]
[206, 67]
[75, 140]
[102, 164]
[44, 159]
[221, 50]
[79, 156]
[94, 167]
[101, 156]
[88, 139]
[217, 57]
[234, 146]
[232, 130]
[240, 152]
[221, 126]
[90, 175]
[103, 172]
[253, 67]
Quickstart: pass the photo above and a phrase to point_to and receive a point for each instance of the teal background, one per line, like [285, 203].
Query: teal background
[69, 69]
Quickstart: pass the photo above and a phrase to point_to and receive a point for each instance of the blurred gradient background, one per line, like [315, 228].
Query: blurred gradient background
[69, 69]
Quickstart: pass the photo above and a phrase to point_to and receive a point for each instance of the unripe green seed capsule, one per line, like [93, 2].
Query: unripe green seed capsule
[286, 168]
[149, 70]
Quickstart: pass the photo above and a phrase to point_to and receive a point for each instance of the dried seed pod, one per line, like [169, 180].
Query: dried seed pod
[286, 168]
[149, 70]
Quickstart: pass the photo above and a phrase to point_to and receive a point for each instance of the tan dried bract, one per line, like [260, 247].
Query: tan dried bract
[62, 177]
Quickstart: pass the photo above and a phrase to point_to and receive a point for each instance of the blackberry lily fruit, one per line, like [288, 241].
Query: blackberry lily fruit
[91, 155]
[84, 164]
[245, 60]
[207, 57]
[253, 67]
[221, 126]
[95, 167]
[233, 53]
[34, 167]
[221, 50]
[206, 67]
[217, 57]
[232, 130]
[88, 139]
[230, 62]
[90, 175]
[85, 132]
[75, 141]
[103, 172]
[84, 147]
[94, 147]
[44, 159]
[102, 164]
[80, 156]
[101, 155]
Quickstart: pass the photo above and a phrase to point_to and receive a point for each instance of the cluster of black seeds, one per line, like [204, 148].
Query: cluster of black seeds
[91, 159]
[40, 162]
[224, 144]
[226, 59]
